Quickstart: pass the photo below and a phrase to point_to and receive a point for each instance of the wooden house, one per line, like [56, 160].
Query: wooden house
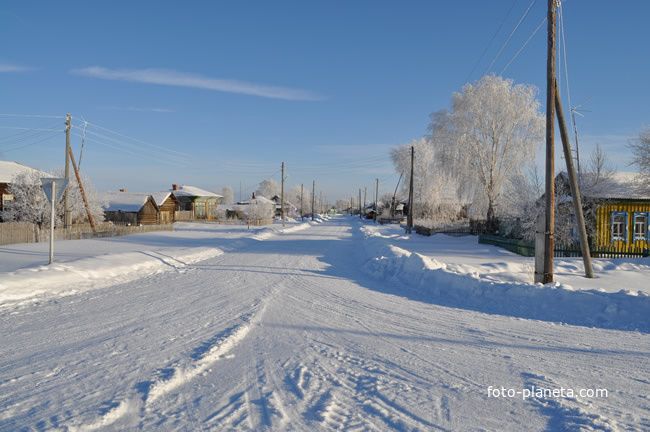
[168, 204]
[201, 203]
[622, 210]
[133, 208]
[290, 210]
[8, 170]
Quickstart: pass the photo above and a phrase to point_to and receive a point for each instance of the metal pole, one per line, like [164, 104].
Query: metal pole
[52, 221]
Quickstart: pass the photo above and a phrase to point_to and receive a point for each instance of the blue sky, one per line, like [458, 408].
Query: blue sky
[217, 93]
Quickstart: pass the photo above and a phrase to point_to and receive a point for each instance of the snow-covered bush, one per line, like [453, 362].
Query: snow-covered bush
[258, 211]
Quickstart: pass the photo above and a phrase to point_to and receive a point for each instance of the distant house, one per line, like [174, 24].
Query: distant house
[623, 209]
[134, 208]
[242, 210]
[201, 203]
[8, 170]
[290, 210]
[168, 204]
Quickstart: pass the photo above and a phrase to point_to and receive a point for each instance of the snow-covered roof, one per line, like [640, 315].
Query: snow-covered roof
[9, 169]
[191, 191]
[616, 185]
[160, 197]
[124, 201]
[257, 200]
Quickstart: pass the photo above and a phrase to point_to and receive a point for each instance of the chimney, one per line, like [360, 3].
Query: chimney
[174, 187]
[123, 190]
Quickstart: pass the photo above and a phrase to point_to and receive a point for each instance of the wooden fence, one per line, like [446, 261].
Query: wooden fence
[25, 232]
[527, 248]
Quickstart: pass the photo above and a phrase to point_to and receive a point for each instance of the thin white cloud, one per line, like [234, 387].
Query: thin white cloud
[182, 79]
[7, 67]
[137, 109]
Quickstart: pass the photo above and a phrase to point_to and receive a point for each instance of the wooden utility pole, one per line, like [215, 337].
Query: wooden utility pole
[301, 190]
[365, 191]
[83, 193]
[282, 196]
[359, 203]
[575, 188]
[321, 202]
[409, 219]
[67, 219]
[313, 197]
[376, 199]
[549, 227]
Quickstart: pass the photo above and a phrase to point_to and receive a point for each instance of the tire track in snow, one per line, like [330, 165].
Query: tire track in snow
[170, 379]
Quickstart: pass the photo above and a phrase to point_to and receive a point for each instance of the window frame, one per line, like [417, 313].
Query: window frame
[624, 230]
[646, 226]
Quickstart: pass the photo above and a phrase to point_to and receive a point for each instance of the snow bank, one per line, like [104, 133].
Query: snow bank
[431, 280]
[67, 278]
[273, 230]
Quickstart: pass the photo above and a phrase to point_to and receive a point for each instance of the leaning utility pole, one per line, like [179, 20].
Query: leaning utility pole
[549, 226]
[301, 190]
[83, 193]
[282, 196]
[67, 219]
[313, 197]
[575, 188]
[409, 219]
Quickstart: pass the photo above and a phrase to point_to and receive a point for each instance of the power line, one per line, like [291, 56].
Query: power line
[32, 129]
[491, 40]
[524, 46]
[30, 144]
[32, 115]
[510, 37]
[133, 146]
[128, 137]
[122, 149]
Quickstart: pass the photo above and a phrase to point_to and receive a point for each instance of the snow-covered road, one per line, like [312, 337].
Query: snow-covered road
[291, 331]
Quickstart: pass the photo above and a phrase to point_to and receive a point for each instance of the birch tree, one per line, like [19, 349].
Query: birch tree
[268, 189]
[641, 156]
[493, 127]
[228, 197]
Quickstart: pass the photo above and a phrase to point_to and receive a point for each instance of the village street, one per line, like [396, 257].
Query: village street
[287, 330]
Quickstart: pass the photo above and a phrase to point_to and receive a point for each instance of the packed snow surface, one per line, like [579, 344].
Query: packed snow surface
[335, 324]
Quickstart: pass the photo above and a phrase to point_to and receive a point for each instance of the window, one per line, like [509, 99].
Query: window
[640, 226]
[619, 226]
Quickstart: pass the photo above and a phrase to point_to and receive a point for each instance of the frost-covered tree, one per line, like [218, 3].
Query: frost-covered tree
[493, 127]
[436, 192]
[268, 189]
[30, 203]
[641, 156]
[77, 207]
[259, 210]
[228, 197]
[293, 197]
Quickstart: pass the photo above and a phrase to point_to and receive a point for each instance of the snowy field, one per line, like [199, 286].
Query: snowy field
[337, 324]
